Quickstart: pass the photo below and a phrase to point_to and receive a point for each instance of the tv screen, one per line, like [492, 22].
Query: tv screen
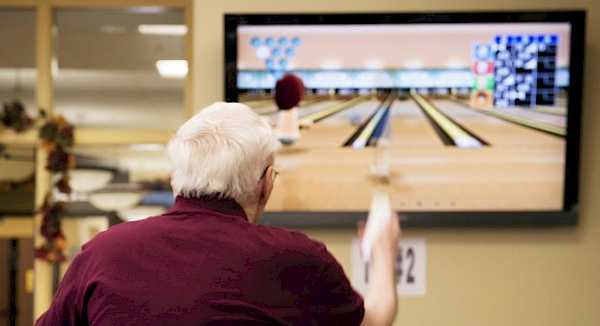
[462, 118]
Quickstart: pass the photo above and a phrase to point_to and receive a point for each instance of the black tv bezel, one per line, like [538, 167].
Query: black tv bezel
[311, 219]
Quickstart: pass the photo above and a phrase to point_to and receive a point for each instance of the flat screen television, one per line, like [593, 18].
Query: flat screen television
[464, 119]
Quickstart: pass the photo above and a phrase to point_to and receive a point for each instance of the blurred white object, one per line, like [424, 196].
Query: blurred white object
[382, 159]
[141, 212]
[378, 218]
[116, 197]
[288, 128]
[86, 180]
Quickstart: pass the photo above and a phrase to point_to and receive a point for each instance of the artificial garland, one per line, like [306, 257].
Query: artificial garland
[56, 137]
[14, 116]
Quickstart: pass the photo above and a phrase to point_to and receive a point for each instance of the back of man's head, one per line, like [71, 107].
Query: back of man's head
[222, 150]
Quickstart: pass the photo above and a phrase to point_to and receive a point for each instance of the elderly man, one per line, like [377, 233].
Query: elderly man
[206, 261]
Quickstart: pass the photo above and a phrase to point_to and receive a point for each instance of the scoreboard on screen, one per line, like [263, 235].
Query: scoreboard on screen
[524, 69]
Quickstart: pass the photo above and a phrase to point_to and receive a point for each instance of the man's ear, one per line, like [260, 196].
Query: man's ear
[266, 186]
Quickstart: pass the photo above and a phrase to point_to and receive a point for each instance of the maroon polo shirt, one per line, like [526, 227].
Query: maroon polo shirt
[203, 263]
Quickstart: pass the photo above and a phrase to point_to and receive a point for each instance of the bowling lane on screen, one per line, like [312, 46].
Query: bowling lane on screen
[545, 117]
[553, 116]
[498, 132]
[411, 129]
[306, 107]
[332, 131]
[318, 173]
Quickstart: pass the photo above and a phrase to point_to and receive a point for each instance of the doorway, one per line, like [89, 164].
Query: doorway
[16, 281]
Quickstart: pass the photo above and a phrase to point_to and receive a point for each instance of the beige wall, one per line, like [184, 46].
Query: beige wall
[532, 276]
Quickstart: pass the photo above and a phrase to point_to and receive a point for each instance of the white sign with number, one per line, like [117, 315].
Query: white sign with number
[410, 268]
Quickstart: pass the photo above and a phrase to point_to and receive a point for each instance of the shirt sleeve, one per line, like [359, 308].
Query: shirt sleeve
[334, 301]
[64, 309]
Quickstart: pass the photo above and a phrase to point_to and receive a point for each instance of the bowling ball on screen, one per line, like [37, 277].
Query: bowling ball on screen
[355, 119]
[288, 91]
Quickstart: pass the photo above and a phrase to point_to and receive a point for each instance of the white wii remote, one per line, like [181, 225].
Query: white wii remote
[378, 218]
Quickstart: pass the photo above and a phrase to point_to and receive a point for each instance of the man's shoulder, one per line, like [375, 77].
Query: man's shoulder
[290, 240]
[284, 235]
[122, 234]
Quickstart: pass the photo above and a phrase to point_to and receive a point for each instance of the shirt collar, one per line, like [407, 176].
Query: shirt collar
[213, 204]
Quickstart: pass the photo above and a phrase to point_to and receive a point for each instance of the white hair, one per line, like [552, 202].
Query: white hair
[222, 150]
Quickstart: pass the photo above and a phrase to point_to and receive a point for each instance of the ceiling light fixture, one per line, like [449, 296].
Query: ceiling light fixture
[140, 212]
[113, 29]
[86, 180]
[172, 68]
[163, 29]
[116, 197]
[147, 147]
